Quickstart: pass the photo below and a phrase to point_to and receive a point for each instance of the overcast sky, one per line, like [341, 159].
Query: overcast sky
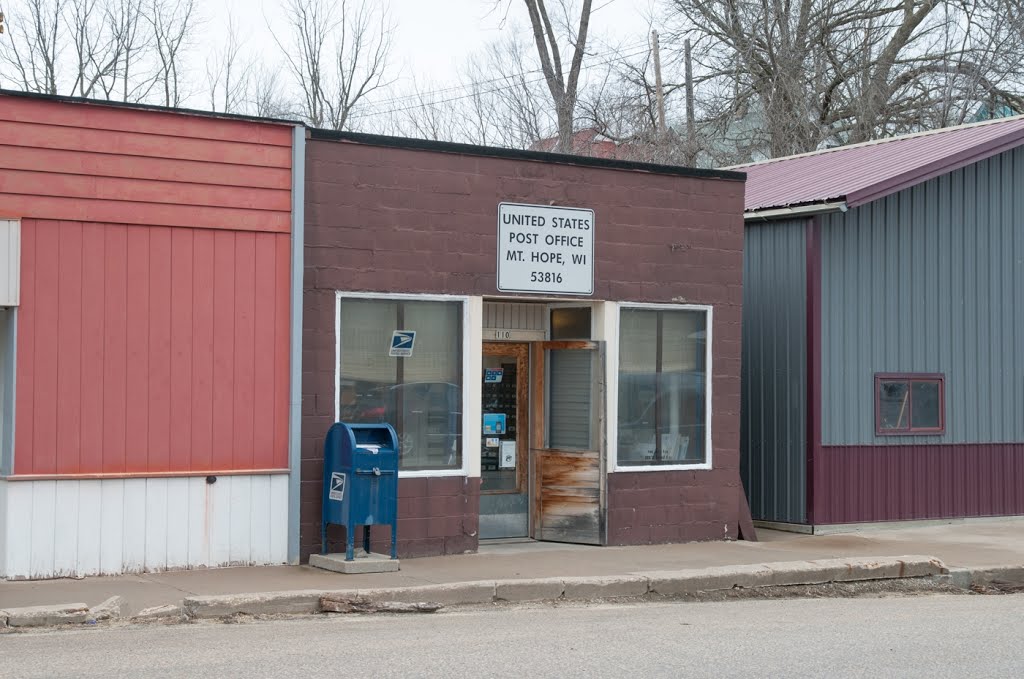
[435, 38]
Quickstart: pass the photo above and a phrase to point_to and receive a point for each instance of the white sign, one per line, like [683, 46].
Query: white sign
[545, 249]
[337, 491]
[507, 456]
[402, 342]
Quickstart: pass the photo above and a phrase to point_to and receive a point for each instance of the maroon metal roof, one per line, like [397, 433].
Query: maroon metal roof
[864, 172]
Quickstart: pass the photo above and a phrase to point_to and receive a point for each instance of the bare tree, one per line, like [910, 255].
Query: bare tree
[31, 51]
[227, 73]
[838, 71]
[171, 22]
[127, 26]
[266, 98]
[338, 54]
[563, 85]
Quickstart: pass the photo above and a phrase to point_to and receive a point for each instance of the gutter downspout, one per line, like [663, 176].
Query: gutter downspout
[295, 340]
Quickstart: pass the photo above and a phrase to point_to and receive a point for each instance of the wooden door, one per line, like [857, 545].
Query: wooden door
[567, 438]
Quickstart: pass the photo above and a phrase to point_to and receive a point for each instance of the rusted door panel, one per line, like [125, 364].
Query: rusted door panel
[569, 484]
[570, 497]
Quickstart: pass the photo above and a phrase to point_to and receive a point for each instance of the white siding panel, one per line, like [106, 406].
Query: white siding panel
[218, 518]
[90, 511]
[71, 527]
[278, 519]
[134, 522]
[259, 519]
[19, 529]
[177, 522]
[5, 516]
[198, 524]
[65, 531]
[10, 261]
[239, 549]
[111, 525]
[156, 524]
[43, 512]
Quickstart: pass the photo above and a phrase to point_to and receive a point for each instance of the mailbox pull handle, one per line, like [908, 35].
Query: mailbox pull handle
[376, 471]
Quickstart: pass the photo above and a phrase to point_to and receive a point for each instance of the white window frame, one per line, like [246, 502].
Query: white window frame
[613, 391]
[472, 310]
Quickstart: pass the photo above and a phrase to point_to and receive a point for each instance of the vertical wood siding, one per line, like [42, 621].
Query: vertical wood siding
[773, 430]
[153, 326]
[929, 280]
[73, 528]
[151, 350]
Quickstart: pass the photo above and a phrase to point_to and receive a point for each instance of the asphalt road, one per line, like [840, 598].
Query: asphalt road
[922, 636]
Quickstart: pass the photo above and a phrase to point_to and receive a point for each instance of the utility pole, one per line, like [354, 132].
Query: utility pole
[691, 129]
[658, 91]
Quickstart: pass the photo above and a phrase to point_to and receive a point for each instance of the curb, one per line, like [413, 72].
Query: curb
[657, 583]
[578, 588]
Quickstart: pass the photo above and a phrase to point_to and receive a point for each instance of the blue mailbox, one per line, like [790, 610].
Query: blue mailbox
[360, 482]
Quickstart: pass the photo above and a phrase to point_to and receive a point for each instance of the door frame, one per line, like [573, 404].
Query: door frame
[538, 426]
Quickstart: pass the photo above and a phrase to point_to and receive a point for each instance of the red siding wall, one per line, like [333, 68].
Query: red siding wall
[892, 483]
[154, 319]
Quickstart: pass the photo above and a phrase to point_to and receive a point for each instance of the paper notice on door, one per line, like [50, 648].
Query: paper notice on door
[507, 455]
[491, 442]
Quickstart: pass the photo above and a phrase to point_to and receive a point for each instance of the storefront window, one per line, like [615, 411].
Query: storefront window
[420, 394]
[662, 393]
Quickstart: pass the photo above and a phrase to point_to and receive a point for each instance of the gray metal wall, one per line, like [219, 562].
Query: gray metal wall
[929, 280]
[773, 433]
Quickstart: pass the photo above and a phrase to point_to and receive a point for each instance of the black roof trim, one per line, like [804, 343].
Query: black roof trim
[516, 154]
[146, 107]
[408, 143]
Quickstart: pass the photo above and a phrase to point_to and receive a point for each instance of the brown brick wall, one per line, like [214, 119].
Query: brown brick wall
[435, 516]
[646, 508]
[398, 220]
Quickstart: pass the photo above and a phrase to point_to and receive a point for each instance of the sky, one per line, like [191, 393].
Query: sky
[434, 38]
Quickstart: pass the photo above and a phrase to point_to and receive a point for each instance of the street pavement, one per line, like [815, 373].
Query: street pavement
[933, 636]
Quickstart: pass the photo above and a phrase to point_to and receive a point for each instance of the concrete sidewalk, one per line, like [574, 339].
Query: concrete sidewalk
[975, 545]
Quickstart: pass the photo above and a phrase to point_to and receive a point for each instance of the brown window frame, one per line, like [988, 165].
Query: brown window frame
[910, 379]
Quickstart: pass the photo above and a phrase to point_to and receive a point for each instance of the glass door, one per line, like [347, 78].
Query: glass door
[504, 499]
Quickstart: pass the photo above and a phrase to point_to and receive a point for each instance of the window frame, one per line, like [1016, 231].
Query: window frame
[613, 389]
[909, 379]
[467, 367]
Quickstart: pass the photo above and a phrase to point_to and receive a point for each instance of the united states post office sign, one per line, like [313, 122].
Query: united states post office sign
[542, 248]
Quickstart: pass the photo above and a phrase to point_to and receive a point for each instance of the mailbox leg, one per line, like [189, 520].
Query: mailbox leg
[394, 541]
[366, 539]
[323, 537]
[350, 539]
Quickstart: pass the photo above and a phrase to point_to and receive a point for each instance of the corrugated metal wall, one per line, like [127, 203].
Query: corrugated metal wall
[774, 393]
[930, 279]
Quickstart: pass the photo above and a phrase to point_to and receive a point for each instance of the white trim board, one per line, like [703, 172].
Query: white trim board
[613, 391]
[73, 528]
[472, 338]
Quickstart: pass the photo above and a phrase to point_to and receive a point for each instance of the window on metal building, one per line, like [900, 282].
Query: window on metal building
[909, 404]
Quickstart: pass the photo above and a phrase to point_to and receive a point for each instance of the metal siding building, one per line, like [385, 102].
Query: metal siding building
[919, 273]
[773, 432]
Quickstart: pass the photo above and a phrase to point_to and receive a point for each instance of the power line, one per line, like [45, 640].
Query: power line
[456, 88]
[379, 111]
